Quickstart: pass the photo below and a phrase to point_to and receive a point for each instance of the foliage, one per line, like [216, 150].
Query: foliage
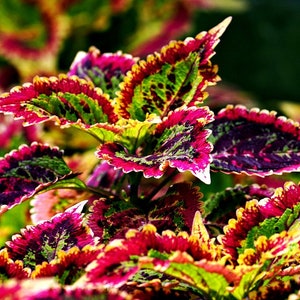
[135, 221]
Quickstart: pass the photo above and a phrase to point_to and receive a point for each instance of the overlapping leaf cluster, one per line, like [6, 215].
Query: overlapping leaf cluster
[131, 221]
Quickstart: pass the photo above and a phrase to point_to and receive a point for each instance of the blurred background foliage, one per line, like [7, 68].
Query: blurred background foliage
[258, 54]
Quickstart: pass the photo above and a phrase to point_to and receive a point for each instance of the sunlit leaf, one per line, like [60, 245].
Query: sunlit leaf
[280, 200]
[30, 169]
[283, 244]
[175, 76]
[249, 277]
[209, 278]
[254, 142]
[270, 226]
[237, 229]
[66, 100]
[277, 289]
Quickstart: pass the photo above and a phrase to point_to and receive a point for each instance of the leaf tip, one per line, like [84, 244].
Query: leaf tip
[203, 174]
[221, 27]
[198, 227]
[3, 209]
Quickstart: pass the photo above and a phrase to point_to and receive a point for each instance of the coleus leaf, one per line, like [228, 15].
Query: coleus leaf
[283, 198]
[11, 269]
[281, 212]
[207, 278]
[265, 217]
[175, 76]
[254, 142]
[175, 256]
[270, 226]
[112, 218]
[118, 261]
[219, 207]
[105, 70]
[67, 100]
[69, 265]
[43, 241]
[275, 289]
[180, 142]
[30, 169]
[274, 253]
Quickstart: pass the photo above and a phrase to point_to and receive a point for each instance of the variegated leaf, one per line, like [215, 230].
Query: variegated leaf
[202, 276]
[254, 142]
[10, 268]
[30, 169]
[43, 241]
[178, 142]
[105, 70]
[220, 206]
[268, 216]
[171, 78]
[66, 100]
[68, 265]
[119, 260]
[112, 218]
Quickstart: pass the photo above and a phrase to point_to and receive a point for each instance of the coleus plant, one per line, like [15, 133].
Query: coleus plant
[132, 223]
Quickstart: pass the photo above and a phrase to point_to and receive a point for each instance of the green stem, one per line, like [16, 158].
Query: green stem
[101, 192]
[134, 181]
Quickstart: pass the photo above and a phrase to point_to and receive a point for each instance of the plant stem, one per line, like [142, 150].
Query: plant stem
[134, 181]
[101, 192]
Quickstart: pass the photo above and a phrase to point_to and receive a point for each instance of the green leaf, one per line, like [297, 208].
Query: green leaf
[66, 100]
[174, 77]
[247, 283]
[207, 281]
[271, 226]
